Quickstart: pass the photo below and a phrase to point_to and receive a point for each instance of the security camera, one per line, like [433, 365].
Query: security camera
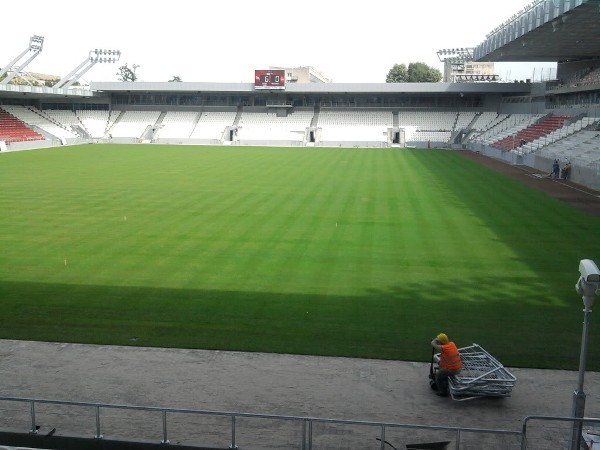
[588, 284]
[589, 271]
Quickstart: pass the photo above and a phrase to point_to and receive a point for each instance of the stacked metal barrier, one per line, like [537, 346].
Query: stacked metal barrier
[482, 375]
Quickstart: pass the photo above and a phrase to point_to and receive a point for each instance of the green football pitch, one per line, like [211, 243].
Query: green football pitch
[347, 252]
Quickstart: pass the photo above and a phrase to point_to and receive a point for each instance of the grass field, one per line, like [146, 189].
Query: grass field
[349, 252]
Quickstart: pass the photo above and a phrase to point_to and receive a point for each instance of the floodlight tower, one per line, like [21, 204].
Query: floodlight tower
[454, 60]
[459, 65]
[456, 54]
[36, 44]
[95, 56]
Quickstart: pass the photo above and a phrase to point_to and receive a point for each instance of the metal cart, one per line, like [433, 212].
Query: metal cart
[482, 375]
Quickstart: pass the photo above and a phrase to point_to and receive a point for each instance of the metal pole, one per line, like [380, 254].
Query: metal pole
[382, 447]
[78, 76]
[579, 395]
[304, 435]
[164, 419]
[71, 73]
[33, 428]
[524, 435]
[98, 435]
[13, 62]
[18, 70]
[233, 433]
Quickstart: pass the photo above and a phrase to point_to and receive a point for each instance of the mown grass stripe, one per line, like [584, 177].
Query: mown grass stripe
[238, 248]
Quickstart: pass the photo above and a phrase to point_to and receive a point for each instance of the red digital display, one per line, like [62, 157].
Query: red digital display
[269, 79]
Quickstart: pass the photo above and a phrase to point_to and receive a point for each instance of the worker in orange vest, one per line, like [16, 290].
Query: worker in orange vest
[449, 364]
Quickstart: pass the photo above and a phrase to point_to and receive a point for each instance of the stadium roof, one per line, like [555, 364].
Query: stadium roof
[16, 90]
[312, 88]
[546, 30]
[101, 89]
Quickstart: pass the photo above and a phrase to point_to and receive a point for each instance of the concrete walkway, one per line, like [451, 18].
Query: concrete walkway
[339, 388]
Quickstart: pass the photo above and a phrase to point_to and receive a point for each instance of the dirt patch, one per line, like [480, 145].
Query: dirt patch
[574, 194]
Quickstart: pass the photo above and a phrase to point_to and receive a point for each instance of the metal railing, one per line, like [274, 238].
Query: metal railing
[572, 441]
[525, 439]
[307, 424]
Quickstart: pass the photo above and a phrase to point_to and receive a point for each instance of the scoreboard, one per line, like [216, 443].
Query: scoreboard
[269, 79]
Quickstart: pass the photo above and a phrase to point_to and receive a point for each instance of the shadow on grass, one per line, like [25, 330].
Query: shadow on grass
[389, 324]
[548, 235]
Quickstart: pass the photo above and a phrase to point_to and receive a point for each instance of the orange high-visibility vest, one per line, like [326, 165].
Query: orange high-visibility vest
[450, 358]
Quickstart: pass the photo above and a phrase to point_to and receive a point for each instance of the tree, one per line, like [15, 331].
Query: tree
[417, 72]
[422, 73]
[397, 74]
[51, 83]
[176, 79]
[126, 73]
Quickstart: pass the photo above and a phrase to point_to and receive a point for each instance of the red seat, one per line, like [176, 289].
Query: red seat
[15, 130]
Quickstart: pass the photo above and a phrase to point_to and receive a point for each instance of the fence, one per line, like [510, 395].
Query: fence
[549, 432]
[224, 429]
[228, 429]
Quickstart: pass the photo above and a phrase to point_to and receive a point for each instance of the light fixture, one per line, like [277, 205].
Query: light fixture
[94, 57]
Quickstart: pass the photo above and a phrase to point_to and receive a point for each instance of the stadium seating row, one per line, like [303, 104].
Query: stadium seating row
[336, 125]
[560, 133]
[14, 130]
[254, 126]
[522, 133]
[531, 132]
[42, 123]
[582, 146]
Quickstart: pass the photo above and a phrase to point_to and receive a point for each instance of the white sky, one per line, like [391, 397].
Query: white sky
[226, 40]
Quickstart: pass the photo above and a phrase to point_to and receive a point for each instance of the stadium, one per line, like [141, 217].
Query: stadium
[264, 264]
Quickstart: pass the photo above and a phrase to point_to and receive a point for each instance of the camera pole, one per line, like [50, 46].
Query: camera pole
[588, 290]
[579, 394]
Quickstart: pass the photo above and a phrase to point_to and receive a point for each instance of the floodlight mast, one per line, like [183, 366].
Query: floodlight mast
[454, 57]
[456, 54]
[454, 60]
[95, 56]
[36, 43]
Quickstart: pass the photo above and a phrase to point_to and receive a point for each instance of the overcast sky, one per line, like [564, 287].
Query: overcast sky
[226, 40]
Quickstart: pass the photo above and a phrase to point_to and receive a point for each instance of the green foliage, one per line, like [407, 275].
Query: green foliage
[421, 72]
[417, 72]
[20, 81]
[127, 73]
[397, 74]
[358, 253]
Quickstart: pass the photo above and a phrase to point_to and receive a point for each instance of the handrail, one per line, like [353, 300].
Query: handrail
[551, 418]
[307, 421]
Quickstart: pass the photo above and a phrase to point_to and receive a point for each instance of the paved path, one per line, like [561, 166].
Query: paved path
[340, 388]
